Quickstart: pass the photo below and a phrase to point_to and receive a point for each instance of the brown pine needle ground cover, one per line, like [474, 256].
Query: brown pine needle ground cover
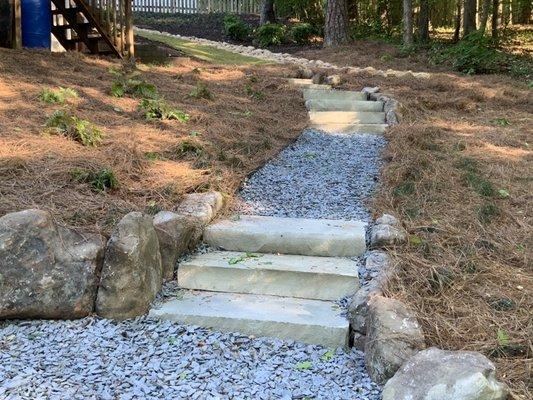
[250, 116]
[460, 177]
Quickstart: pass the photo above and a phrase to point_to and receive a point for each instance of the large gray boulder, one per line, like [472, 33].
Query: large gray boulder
[393, 336]
[132, 274]
[435, 374]
[46, 271]
[176, 234]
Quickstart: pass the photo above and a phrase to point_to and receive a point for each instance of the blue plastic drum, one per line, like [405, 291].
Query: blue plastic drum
[36, 21]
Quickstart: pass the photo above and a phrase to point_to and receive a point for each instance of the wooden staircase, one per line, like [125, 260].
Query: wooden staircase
[95, 26]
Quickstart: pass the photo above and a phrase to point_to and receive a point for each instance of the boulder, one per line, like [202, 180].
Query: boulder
[132, 274]
[176, 234]
[388, 219]
[383, 235]
[46, 271]
[393, 336]
[305, 73]
[318, 78]
[333, 80]
[203, 206]
[445, 375]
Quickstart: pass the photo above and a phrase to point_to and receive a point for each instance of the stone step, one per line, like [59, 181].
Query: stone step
[309, 321]
[343, 105]
[350, 128]
[309, 237]
[333, 95]
[308, 84]
[346, 117]
[319, 278]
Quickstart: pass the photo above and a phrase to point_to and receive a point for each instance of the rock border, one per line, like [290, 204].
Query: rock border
[122, 273]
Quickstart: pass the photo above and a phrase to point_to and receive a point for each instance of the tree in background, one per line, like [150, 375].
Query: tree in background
[469, 16]
[408, 22]
[336, 26]
[267, 12]
[423, 21]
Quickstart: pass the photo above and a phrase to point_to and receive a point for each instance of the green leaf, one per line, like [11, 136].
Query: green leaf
[415, 240]
[304, 365]
[327, 356]
[503, 193]
[503, 337]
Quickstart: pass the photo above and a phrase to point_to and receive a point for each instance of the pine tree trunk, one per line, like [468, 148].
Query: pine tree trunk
[267, 12]
[457, 31]
[469, 16]
[423, 21]
[408, 22]
[484, 16]
[336, 26]
[495, 8]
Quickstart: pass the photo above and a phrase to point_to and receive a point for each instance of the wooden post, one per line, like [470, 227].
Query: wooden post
[17, 29]
[129, 29]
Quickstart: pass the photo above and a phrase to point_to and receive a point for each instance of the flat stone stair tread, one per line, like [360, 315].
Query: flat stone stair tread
[347, 117]
[309, 321]
[343, 105]
[350, 128]
[333, 95]
[301, 236]
[308, 83]
[320, 278]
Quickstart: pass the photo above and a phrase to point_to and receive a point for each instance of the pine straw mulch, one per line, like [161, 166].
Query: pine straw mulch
[459, 175]
[155, 163]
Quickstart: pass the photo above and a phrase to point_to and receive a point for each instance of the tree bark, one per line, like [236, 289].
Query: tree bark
[469, 16]
[267, 12]
[336, 26]
[457, 31]
[408, 22]
[495, 8]
[423, 21]
[484, 16]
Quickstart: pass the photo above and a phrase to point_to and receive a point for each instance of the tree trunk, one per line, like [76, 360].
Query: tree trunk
[407, 22]
[267, 12]
[469, 16]
[423, 21]
[457, 31]
[484, 16]
[336, 26]
[495, 8]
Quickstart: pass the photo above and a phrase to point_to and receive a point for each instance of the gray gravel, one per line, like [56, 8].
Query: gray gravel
[320, 176]
[142, 359]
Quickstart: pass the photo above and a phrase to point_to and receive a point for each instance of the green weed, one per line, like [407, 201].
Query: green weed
[189, 147]
[100, 180]
[487, 212]
[159, 109]
[65, 123]
[57, 96]
[128, 82]
[201, 91]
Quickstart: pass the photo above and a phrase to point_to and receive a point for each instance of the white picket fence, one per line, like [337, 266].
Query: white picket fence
[197, 6]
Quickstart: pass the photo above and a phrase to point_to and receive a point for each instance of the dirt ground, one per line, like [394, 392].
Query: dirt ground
[460, 177]
[251, 116]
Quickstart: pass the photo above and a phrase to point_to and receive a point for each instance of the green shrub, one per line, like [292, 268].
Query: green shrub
[201, 91]
[159, 109]
[270, 35]
[65, 123]
[100, 180]
[128, 82]
[189, 147]
[57, 96]
[302, 33]
[235, 28]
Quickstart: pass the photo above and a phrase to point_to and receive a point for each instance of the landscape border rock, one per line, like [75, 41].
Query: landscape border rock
[386, 231]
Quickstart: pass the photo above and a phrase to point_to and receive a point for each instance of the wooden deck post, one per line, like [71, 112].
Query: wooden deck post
[129, 28]
[17, 30]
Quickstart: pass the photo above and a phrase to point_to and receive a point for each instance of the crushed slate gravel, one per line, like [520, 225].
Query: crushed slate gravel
[322, 175]
[143, 359]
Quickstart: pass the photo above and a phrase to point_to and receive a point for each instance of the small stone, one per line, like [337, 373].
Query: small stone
[445, 375]
[369, 90]
[334, 80]
[383, 235]
[393, 336]
[388, 219]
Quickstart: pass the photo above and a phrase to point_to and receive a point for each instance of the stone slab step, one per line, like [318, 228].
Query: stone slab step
[350, 128]
[309, 321]
[308, 83]
[346, 117]
[309, 237]
[333, 95]
[343, 105]
[320, 278]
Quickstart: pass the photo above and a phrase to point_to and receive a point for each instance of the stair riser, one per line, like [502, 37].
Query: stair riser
[333, 95]
[308, 84]
[350, 128]
[342, 105]
[268, 282]
[324, 117]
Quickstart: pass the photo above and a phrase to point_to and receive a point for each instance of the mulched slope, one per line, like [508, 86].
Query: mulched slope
[459, 175]
[251, 117]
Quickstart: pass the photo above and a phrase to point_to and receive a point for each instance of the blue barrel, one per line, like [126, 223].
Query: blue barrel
[36, 16]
